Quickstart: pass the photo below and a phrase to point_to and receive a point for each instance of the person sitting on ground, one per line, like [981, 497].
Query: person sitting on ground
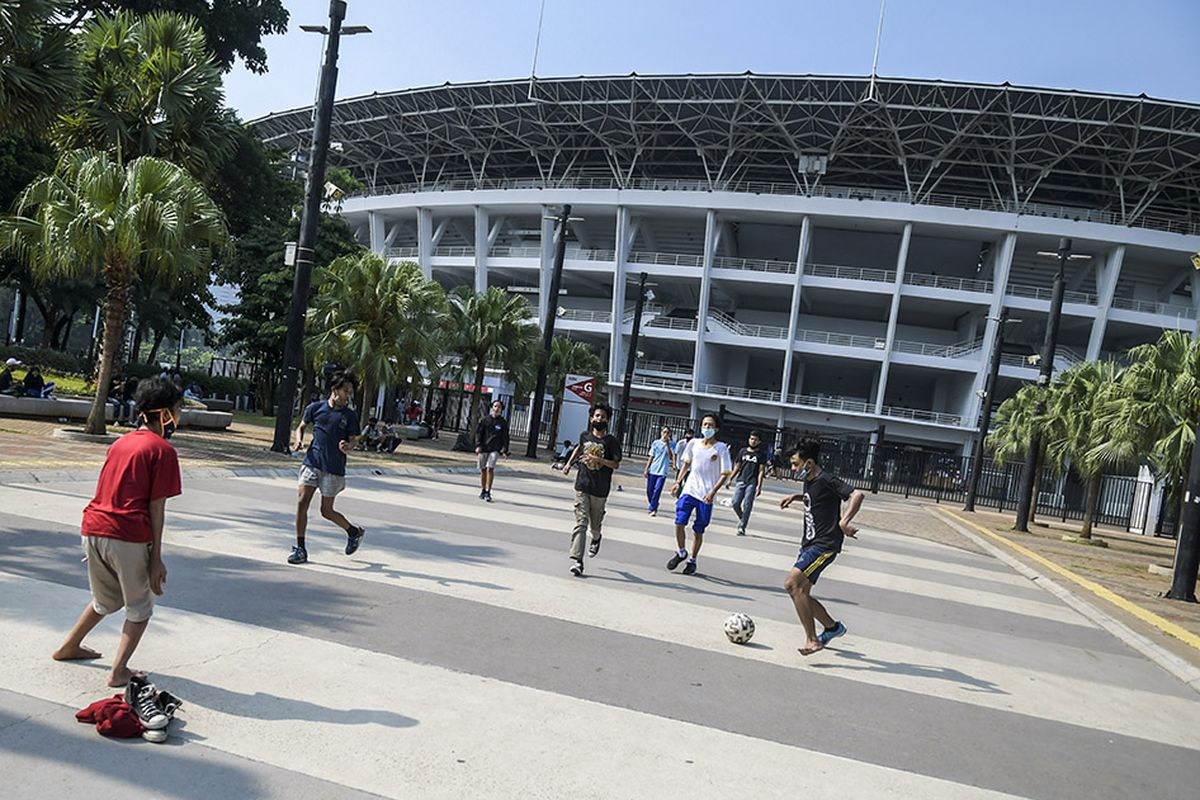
[564, 452]
[35, 385]
[370, 436]
[389, 439]
[6, 377]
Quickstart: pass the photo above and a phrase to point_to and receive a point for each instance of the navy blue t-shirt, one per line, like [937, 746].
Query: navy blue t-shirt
[329, 426]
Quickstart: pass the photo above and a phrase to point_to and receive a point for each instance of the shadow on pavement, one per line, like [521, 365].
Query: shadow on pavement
[864, 664]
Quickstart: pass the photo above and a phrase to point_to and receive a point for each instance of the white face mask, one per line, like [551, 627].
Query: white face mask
[709, 432]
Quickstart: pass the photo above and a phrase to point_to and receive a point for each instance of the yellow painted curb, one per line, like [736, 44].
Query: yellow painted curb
[1164, 625]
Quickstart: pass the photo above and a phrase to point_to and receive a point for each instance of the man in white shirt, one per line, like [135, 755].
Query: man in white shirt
[703, 470]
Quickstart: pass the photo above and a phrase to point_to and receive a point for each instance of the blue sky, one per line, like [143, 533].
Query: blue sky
[1122, 46]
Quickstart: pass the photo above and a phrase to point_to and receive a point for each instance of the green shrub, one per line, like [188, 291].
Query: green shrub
[45, 358]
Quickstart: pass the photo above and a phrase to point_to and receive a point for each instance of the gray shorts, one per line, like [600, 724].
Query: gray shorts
[488, 460]
[328, 484]
[119, 576]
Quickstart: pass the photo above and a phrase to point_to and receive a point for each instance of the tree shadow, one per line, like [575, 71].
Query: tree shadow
[864, 664]
[629, 577]
[762, 588]
[378, 568]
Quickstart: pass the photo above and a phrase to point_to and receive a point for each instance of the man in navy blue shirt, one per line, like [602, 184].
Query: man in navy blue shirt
[335, 428]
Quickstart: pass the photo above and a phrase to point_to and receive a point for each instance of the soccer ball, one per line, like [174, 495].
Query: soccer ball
[739, 628]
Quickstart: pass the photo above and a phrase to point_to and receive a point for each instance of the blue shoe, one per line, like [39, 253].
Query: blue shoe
[299, 555]
[829, 635]
[354, 537]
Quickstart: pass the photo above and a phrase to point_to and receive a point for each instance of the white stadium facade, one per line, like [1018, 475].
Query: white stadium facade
[825, 253]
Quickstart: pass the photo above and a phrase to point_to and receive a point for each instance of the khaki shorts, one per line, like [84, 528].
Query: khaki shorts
[488, 460]
[328, 484]
[119, 575]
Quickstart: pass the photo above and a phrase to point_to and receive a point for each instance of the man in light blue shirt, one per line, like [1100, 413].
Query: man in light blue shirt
[661, 459]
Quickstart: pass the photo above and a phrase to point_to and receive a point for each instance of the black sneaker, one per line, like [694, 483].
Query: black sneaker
[487, 496]
[577, 567]
[741, 531]
[139, 694]
[299, 555]
[168, 702]
[689, 568]
[354, 537]
[594, 547]
[675, 561]
[482, 495]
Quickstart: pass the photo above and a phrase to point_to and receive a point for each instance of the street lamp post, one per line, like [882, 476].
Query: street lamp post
[989, 394]
[631, 359]
[1025, 499]
[313, 194]
[560, 252]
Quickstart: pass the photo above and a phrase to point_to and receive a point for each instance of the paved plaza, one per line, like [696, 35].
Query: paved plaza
[454, 656]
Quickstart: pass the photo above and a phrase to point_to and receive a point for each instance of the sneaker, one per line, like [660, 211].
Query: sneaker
[158, 737]
[482, 495]
[577, 567]
[354, 537]
[654, 513]
[689, 568]
[487, 496]
[168, 702]
[675, 561]
[594, 547]
[829, 634]
[299, 555]
[139, 694]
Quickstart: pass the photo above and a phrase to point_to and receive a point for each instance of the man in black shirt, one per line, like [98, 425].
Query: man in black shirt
[749, 469]
[825, 528]
[491, 439]
[598, 453]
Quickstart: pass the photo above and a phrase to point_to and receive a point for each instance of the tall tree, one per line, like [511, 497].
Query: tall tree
[1017, 419]
[95, 216]
[150, 88]
[491, 328]
[376, 318]
[569, 357]
[233, 29]
[37, 64]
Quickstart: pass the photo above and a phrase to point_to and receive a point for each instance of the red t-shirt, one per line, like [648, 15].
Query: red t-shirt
[140, 467]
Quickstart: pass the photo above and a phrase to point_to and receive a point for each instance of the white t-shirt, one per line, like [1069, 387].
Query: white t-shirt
[707, 465]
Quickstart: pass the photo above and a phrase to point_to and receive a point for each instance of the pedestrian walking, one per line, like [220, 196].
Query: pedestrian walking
[491, 439]
[598, 454]
[658, 463]
[704, 469]
[750, 469]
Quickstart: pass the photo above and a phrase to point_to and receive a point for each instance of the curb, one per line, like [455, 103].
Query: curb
[1179, 667]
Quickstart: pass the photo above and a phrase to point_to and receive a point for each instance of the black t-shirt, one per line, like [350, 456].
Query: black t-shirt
[492, 435]
[823, 496]
[596, 482]
[749, 462]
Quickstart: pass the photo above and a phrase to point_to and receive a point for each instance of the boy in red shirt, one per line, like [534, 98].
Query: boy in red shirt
[123, 527]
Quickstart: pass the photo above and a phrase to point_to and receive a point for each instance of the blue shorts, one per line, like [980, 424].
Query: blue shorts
[812, 561]
[683, 510]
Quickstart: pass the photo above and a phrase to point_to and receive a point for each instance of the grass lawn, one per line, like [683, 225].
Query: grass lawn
[253, 418]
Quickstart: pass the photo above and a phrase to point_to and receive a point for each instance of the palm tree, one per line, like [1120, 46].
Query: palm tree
[493, 328]
[1080, 395]
[1151, 417]
[1017, 420]
[39, 74]
[95, 217]
[150, 88]
[569, 357]
[379, 319]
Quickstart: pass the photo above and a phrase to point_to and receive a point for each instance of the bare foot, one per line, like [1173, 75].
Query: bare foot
[76, 653]
[118, 679]
[810, 648]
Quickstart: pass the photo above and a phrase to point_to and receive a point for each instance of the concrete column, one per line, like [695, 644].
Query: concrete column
[794, 319]
[375, 232]
[710, 242]
[616, 350]
[893, 317]
[1001, 266]
[1107, 275]
[481, 249]
[425, 241]
[546, 267]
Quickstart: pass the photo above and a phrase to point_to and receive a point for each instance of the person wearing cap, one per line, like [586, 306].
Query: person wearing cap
[6, 376]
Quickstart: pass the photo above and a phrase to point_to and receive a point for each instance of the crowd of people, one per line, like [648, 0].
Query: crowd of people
[33, 384]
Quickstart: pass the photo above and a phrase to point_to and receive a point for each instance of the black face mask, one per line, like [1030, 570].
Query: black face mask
[600, 425]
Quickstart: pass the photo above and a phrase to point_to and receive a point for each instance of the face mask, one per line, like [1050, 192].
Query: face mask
[709, 432]
[166, 419]
[804, 472]
[599, 424]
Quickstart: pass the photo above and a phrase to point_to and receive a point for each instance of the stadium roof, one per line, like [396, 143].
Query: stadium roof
[1137, 159]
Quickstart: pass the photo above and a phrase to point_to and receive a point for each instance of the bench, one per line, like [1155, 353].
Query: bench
[79, 408]
[216, 404]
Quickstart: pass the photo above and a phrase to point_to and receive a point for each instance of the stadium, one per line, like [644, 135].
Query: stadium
[824, 253]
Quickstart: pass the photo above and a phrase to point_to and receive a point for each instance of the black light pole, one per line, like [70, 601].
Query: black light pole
[313, 194]
[989, 394]
[631, 359]
[1025, 498]
[560, 252]
[1187, 545]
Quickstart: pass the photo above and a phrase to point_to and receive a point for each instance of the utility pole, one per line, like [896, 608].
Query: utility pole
[630, 360]
[1025, 500]
[314, 189]
[539, 392]
[989, 394]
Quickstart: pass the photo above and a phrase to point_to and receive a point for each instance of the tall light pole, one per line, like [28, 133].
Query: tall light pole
[314, 189]
[539, 392]
[989, 395]
[1025, 499]
[631, 359]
